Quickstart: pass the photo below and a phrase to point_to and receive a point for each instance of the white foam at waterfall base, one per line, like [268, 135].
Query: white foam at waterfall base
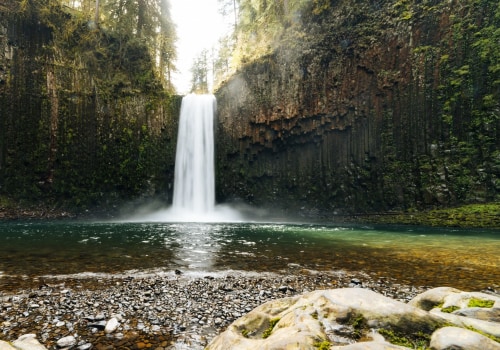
[194, 181]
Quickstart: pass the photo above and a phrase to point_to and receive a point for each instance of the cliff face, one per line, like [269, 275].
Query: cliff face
[83, 121]
[373, 106]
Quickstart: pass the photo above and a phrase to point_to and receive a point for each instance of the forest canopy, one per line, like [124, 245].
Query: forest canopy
[139, 23]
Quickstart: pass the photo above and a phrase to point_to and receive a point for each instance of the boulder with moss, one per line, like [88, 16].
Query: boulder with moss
[355, 318]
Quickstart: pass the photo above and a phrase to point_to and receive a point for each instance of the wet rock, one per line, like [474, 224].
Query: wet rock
[111, 325]
[148, 308]
[66, 342]
[98, 325]
[86, 346]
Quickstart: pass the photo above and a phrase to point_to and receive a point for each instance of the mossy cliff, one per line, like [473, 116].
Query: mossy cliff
[83, 116]
[368, 106]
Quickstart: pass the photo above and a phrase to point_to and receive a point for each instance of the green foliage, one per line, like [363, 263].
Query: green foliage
[450, 309]
[471, 215]
[269, 330]
[358, 323]
[199, 71]
[418, 341]
[323, 345]
[475, 302]
[262, 24]
[487, 335]
[110, 104]
[320, 6]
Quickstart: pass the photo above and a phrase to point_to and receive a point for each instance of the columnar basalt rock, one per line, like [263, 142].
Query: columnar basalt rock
[358, 115]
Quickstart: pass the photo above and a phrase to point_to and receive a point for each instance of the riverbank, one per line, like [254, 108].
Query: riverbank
[161, 311]
[485, 215]
[170, 310]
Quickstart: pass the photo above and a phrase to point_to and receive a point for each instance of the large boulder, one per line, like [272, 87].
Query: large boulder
[358, 318]
[459, 338]
[28, 342]
[6, 346]
[473, 310]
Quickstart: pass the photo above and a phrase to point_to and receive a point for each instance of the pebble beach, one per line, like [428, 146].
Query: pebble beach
[161, 310]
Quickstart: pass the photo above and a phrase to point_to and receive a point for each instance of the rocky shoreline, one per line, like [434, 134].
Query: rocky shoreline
[170, 310]
[481, 215]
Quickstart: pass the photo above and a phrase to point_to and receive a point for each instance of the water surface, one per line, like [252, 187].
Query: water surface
[467, 259]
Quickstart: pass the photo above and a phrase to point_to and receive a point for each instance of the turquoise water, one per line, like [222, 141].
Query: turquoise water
[467, 259]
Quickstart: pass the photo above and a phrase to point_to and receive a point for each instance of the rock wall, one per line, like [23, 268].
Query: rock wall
[374, 106]
[83, 121]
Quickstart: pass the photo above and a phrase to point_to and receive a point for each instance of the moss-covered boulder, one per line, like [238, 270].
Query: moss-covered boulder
[355, 318]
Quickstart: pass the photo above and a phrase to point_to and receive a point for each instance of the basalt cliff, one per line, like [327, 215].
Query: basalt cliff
[368, 106]
[352, 107]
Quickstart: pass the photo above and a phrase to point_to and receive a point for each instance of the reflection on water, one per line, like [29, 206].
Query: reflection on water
[194, 245]
[420, 256]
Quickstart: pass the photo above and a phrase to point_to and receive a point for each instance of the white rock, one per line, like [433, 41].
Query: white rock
[111, 325]
[86, 346]
[429, 299]
[28, 342]
[459, 338]
[6, 346]
[119, 317]
[302, 320]
[334, 316]
[491, 328]
[447, 297]
[371, 345]
[66, 342]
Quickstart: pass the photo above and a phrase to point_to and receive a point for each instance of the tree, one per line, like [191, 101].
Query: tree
[230, 8]
[165, 45]
[222, 60]
[199, 71]
[150, 22]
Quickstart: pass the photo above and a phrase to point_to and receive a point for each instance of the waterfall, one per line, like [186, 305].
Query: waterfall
[194, 177]
[194, 181]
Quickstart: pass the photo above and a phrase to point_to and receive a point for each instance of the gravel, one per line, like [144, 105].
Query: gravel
[169, 310]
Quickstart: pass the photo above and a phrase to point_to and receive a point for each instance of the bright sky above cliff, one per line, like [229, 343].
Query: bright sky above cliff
[199, 26]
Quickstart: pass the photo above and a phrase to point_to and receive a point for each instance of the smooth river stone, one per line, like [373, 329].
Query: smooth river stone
[66, 342]
[111, 325]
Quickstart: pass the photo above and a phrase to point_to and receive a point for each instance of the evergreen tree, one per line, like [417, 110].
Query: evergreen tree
[199, 71]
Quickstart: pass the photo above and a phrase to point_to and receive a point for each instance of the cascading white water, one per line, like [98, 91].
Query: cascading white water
[194, 182]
